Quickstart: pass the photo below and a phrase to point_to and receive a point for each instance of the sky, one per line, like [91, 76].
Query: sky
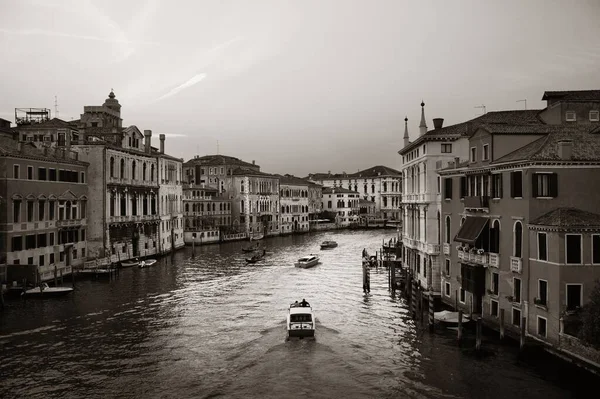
[298, 86]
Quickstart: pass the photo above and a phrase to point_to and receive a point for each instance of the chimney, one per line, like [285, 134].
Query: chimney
[147, 140]
[253, 162]
[162, 143]
[438, 123]
[565, 149]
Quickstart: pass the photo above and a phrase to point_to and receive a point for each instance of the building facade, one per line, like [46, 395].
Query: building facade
[44, 193]
[170, 194]
[344, 203]
[294, 197]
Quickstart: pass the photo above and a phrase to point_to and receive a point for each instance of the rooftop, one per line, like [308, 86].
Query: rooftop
[292, 180]
[338, 190]
[573, 95]
[568, 218]
[219, 160]
[10, 147]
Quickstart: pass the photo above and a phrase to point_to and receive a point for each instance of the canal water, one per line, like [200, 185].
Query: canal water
[214, 326]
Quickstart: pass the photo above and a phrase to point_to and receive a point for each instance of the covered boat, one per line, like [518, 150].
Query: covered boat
[307, 261]
[301, 320]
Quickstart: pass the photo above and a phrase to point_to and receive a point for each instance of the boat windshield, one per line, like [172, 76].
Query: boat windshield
[300, 318]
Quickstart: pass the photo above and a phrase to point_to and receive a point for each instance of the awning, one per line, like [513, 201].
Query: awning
[471, 229]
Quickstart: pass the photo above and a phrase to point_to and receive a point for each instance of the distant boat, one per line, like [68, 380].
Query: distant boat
[130, 263]
[328, 244]
[147, 263]
[255, 258]
[307, 261]
[44, 290]
[257, 236]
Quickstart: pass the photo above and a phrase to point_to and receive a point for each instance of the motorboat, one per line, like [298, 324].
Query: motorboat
[328, 244]
[147, 263]
[307, 261]
[301, 320]
[45, 290]
[257, 236]
[130, 263]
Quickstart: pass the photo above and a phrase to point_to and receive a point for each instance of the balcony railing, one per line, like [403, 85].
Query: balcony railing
[516, 264]
[419, 197]
[446, 248]
[69, 222]
[493, 259]
[485, 258]
[477, 203]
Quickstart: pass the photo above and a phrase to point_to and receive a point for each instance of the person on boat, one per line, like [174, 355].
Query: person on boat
[296, 304]
[304, 303]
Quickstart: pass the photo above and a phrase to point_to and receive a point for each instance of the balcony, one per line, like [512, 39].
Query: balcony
[478, 203]
[477, 258]
[419, 198]
[516, 264]
[446, 248]
[69, 222]
[493, 260]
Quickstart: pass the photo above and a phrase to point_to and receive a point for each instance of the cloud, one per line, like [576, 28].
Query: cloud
[191, 82]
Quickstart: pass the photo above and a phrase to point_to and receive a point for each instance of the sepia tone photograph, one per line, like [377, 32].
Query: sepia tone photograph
[299, 199]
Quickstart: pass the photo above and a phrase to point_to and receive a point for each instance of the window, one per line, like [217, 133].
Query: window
[51, 260]
[516, 317]
[573, 249]
[541, 326]
[122, 169]
[30, 211]
[439, 184]
[16, 211]
[82, 180]
[516, 184]
[52, 174]
[473, 154]
[542, 246]
[495, 237]
[594, 116]
[112, 167]
[447, 267]
[596, 249]
[41, 209]
[51, 206]
[447, 229]
[494, 308]
[495, 283]
[16, 171]
[42, 174]
[17, 243]
[516, 290]
[462, 296]
[41, 260]
[518, 239]
[542, 293]
[51, 239]
[544, 185]
[30, 173]
[446, 148]
[448, 188]
[497, 185]
[571, 116]
[486, 152]
[574, 292]
[463, 187]
[447, 289]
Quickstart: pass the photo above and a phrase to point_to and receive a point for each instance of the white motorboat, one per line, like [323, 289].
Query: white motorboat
[44, 290]
[130, 263]
[449, 318]
[301, 320]
[307, 261]
[147, 263]
[257, 236]
[328, 244]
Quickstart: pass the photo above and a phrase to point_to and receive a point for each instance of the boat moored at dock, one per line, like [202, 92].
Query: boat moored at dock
[45, 291]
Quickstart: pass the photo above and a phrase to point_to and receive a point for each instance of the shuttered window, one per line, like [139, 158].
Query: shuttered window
[516, 184]
[544, 185]
[448, 188]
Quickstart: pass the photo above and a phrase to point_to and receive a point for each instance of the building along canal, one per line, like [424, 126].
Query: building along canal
[214, 326]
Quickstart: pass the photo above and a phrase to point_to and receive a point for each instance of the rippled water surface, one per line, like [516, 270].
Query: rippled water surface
[213, 326]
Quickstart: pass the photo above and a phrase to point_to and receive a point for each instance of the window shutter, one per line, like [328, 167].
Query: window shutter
[512, 184]
[553, 185]
[534, 186]
[463, 186]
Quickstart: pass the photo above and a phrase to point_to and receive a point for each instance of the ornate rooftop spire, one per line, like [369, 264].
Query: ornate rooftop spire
[423, 124]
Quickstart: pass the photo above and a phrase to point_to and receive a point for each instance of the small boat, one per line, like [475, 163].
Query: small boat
[307, 261]
[450, 319]
[147, 263]
[301, 320]
[328, 244]
[250, 248]
[255, 258]
[45, 290]
[130, 263]
[257, 236]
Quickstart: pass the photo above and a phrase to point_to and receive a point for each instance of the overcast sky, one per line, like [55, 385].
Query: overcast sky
[299, 86]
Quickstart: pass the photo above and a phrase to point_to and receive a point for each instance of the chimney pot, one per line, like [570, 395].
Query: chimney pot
[438, 123]
[147, 141]
[162, 143]
[565, 149]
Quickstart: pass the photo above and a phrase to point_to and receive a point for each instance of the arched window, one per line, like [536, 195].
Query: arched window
[187, 207]
[518, 239]
[439, 227]
[144, 172]
[133, 176]
[122, 169]
[151, 172]
[495, 237]
[112, 167]
[447, 229]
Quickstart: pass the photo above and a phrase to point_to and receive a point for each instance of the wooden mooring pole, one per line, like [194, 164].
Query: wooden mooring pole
[459, 332]
[522, 335]
[478, 334]
[366, 276]
[193, 247]
[431, 311]
[392, 269]
[55, 276]
[413, 300]
[421, 305]
[501, 324]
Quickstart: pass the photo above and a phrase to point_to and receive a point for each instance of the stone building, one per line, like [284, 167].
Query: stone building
[214, 171]
[43, 221]
[378, 184]
[170, 194]
[315, 203]
[293, 195]
[344, 203]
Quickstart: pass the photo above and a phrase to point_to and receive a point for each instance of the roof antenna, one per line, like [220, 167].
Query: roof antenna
[521, 101]
[481, 106]
[56, 106]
